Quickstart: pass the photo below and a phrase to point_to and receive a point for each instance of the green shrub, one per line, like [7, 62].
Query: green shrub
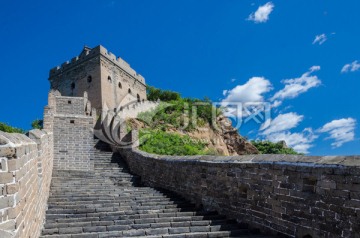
[37, 124]
[164, 143]
[268, 147]
[6, 128]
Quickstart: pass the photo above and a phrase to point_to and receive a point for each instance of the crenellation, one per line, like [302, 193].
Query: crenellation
[112, 56]
[73, 60]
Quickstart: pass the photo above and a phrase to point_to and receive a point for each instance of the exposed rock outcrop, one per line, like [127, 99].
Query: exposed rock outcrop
[236, 144]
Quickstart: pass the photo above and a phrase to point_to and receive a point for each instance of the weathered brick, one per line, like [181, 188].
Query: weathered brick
[6, 177]
[12, 188]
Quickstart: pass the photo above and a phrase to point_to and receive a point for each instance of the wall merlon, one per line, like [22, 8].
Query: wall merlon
[74, 59]
[13, 145]
[37, 134]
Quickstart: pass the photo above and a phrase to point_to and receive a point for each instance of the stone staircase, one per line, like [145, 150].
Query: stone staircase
[111, 202]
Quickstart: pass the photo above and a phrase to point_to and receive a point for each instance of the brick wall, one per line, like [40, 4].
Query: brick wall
[25, 176]
[73, 132]
[73, 142]
[70, 105]
[286, 194]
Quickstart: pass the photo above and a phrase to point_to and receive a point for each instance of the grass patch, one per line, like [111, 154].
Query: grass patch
[165, 143]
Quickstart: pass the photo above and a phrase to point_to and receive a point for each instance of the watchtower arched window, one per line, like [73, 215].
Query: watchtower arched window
[129, 91]
[89, 79]
[119, 84]
[138, 97]
[109, 79]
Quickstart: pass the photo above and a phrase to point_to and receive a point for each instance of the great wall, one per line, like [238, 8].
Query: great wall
[64, 182]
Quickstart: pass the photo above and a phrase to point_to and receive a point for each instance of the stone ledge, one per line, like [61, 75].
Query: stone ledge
[283, 194]
[292, 160]
[14, 145]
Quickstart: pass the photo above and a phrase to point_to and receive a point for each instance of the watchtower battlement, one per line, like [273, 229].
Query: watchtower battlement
[89, 53]
[107, 78]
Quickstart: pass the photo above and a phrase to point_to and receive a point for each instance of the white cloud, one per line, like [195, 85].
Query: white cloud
[320, 39]
[281, 123]
[279, 129]
[251, 91]
[341, 131]
[233, 80]
[314, 68]
[354, 66]
[262, 13]
[300, 142]
[295, 87]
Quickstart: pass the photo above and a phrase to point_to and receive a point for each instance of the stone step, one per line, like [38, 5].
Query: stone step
[133, 219]
[118, 203]
[129, 190]
[134, 223]
[152, 208]
[99, 204]
[149, 234]
[130, 203]
[145, 229]
[126, 214]
[124, 194]
[87, 200]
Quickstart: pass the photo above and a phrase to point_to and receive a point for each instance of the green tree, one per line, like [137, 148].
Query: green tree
[10, 129]
[154, 94]
[37, 124]
[268, 147]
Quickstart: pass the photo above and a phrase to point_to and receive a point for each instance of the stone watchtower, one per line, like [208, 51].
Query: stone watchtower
[105, 78]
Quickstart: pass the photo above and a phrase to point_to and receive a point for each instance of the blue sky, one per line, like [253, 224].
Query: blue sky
[290, 54]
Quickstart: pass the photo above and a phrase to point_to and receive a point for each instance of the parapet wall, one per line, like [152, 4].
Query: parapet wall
[25, 175]
[297, 196]
[133, 110]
